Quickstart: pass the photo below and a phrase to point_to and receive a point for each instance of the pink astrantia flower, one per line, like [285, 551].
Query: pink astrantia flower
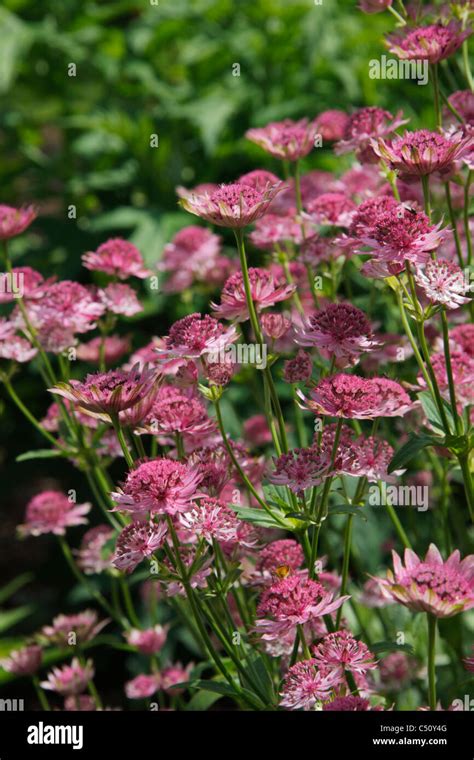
[264, 291]
[339, 330]
[23, 282]
[331, 209]
[177, 412]
[200, 572]
[275, 326]
[348, 703]
[402, 234]
[84, 625]
[150, 641]
[235, 205]
[136, 542]
[142, 686]
[93, 556]
[463, 102]
[107, 393]
[15, 348]
[80, 703]
[159, 486]
[432, 43]
[274, 229]
[193, 255]
[422, 152]
[340, 651]
[373, 457]
[120, 298]
[462, 337]
[23, 662]
[331, 124]
[443, 282]
[196, 335]
[174, 675]
[14, 221]
[305, 687]
[69, 679]
[284, 552]
[364, 125]
[118, 258]
[299, 369]
[114, 347]
[300, 469]
[442, 588]
[52, 512]
[211, 519]
[374, 6]
[293, 601]
[395, 671]
[286, 139]
[259, 179]
[365, 216]
[353, 397]
[462, 366]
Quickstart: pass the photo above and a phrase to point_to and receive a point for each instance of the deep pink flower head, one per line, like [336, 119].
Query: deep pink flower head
[422, 152]
[286, 139]
[69, 679]
[138, 541]
[175, 411]
[340, 651]
[443, 282]
[395, 671]
[14, 221]
[316, 249]
[120, 298]
[275, 325]
[299, 369]
[331, 209]
[274, 229]
[442, 588]
[173, 675]
[93, 556]
[52, 512]
[114, 348]
[368, 212]
[305, 686]
[264, 291]
[462, 337]
[432, 43]
[193, 255]
[256, 430]
[372, 458]
[235, 205]
[107, 393]
[300, 469]
[22, 281]
[196, 335]
[348, 704]
[142, 686]
[331, 124]
[118, 258]
[364, 125]
[150, 641]
[463, 102]
[293, 601]
[374, 6]
[353, 397]
[259, 179]
[211, 519]
[23, 662]
[462, 366]
[401, 234]
[84, 625]
[284, 552]
[159, 486]
[339, 330]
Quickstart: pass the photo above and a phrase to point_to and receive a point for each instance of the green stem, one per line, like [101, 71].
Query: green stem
[345, 564]
[434, 71]
[432, 622]
[122, 441]
[449, 372]
[26, 412]
[452, 217]
[42, 698]
[467, 228]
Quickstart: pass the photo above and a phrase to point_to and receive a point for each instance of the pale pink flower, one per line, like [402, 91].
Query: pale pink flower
[94, 555]
[442, 588]
[264, 291]
[293, 601]
[114, 348]
[372, 596]
[432, 43]
[136, 542]
[52, 512]
[259, 179]
[235, 205]
[300, 469]
[340, 651]
[80, 703]
[118, 258]
[334, 209]
[15, 347]
[211, 519]
[273, 230]
[142, 686]
[197, 335]
[373, 457]
[175, 411]
[159, 486]
[462, 366]
[305, 687]
[286, 139]
[69, 679]
[274, 325]
[353, 397]
[150, 641]
[443, 282]
[173, 675]
[422, 152]
[365, 125]
[331, 124]
[120, 298]
[316, 249]
[23, 662]
[107, 393]
[299, 369]
[23, 282]
[84, 625]
[193, 255]
[340, 330]
[14, 221]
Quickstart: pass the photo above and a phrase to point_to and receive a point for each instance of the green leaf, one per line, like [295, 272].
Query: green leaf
[39, 454]
[346, 509]
[432, 412]
[9, 618]
[411, 448]
[11, 588]
[202, 700]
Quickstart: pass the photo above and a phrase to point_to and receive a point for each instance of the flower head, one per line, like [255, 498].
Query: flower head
[120, 298]
[264, 291]
[93, 556]
[299, 369]
[442, 588]
[353, 397]
[443, 282]
[118, 258]
[305, 687]
[422, 152]
[331, 124]
[85, 626]
[286, 139]
[197, 335]
[159, 486]
[136, 542]
[211, 519]
[341, 330]
[300, 469]
[331, 209]
[348, 703]
[340, 651]
[364, 125]
[150, 641]
[23, 662]
[14, 221]
[285, 552]
[193, 255]
[113, 348]
[432, 43]
[235, 205]
[69, 679]
[142, 686]
[52, 512]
